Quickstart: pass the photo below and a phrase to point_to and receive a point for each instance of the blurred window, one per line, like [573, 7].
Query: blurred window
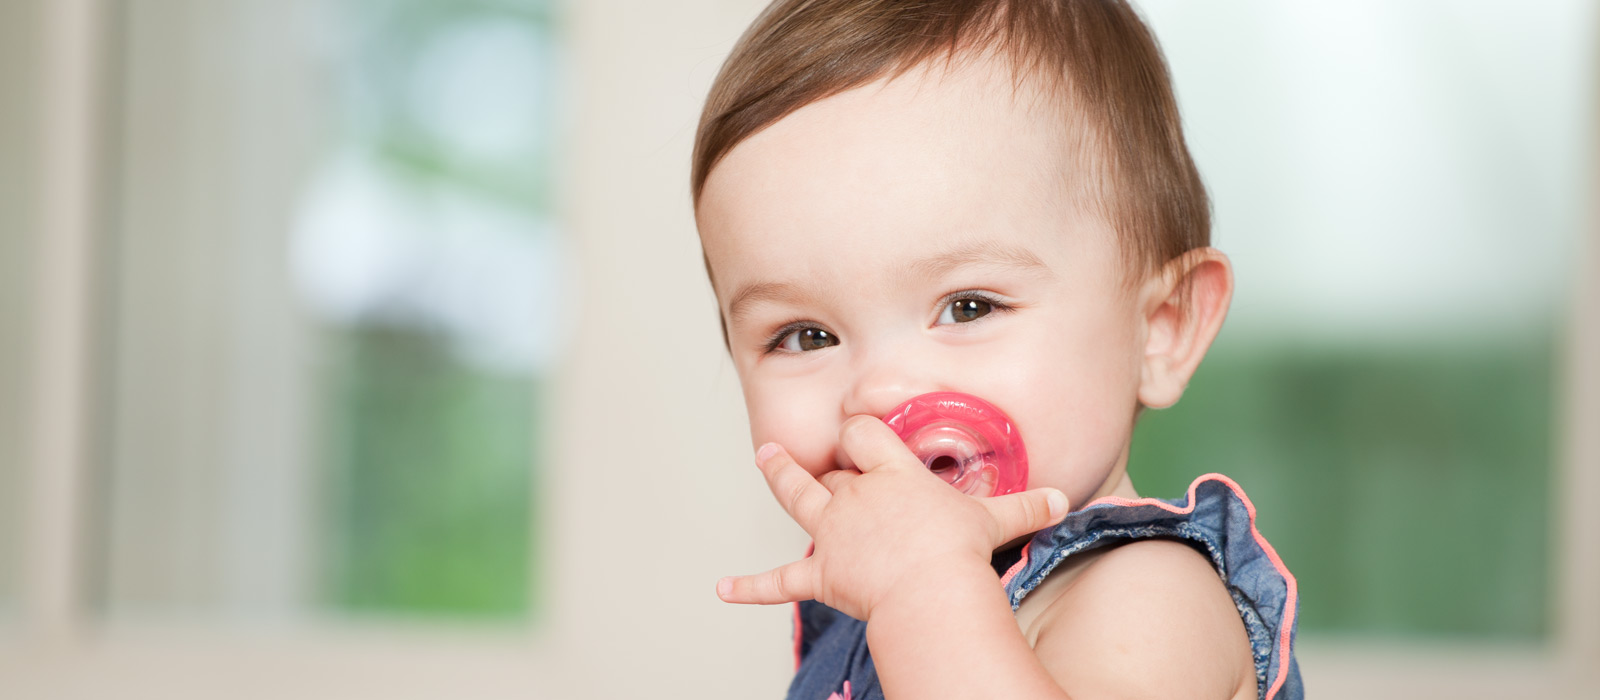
[333, 290]
[1401, 189]
[425, 253]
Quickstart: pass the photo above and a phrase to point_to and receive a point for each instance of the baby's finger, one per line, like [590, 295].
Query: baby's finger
[785, 584]
[872, 445]
[794, 487]
[1019, 514]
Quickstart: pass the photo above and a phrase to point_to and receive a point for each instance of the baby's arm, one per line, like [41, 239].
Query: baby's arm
[1145, 620]
[900, 549]
[1150, 619]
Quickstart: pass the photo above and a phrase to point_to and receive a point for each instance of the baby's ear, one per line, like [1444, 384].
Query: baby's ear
[1183, 306]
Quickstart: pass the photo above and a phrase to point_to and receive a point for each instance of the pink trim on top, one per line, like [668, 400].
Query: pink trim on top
[1287, 624]
[798, 634]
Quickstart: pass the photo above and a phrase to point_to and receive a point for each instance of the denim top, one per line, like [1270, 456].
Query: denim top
[833, 663]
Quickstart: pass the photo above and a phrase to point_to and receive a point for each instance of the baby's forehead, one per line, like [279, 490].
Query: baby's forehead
[963, 150]
[965, 108]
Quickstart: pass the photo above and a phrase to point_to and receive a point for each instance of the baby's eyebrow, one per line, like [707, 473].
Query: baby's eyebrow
[986, 253]
[762, 291]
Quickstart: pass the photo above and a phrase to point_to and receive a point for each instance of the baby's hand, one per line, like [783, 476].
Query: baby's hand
[888, 527]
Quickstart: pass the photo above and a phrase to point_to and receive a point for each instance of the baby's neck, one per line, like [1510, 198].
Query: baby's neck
[1118, 485]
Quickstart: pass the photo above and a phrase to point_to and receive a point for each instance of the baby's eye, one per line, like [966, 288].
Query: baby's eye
[803, 339]
[964, 310]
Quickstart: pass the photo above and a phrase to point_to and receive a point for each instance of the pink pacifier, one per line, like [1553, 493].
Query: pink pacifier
[964, 440]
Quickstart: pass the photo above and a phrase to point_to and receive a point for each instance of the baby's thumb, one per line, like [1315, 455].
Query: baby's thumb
[1019, 514]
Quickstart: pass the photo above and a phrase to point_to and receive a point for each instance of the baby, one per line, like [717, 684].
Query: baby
[991, 197]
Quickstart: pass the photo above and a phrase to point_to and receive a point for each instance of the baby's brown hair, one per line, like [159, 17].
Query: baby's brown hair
[1096, 57]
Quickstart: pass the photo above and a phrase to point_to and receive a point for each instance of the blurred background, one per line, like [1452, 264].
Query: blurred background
[359, 348]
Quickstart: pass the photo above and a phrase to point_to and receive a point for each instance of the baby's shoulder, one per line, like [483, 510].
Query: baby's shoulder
[1147, 618]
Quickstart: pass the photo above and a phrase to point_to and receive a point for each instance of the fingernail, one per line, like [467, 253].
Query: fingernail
[1058, 504]
[766, 452]
[725, 587]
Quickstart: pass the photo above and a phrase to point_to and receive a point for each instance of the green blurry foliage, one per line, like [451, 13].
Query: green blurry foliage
[1406, 487]
[432, 485]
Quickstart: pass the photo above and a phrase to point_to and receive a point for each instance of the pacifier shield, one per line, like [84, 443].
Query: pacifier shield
[964, 440]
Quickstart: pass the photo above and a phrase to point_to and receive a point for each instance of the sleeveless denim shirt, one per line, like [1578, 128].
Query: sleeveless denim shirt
[831, 657]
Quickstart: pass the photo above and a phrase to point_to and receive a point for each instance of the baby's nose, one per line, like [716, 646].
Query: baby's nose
[881, 384]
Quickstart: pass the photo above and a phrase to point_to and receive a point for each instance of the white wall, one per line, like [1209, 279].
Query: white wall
[654, 462]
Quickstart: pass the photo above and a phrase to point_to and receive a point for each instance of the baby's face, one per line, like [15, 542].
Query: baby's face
[915, 236]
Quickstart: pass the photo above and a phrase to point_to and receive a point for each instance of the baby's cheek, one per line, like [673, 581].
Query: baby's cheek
[807, 441]
[1074, 412]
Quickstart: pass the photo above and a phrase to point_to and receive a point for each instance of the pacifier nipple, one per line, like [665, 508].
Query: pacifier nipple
[964, 440]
